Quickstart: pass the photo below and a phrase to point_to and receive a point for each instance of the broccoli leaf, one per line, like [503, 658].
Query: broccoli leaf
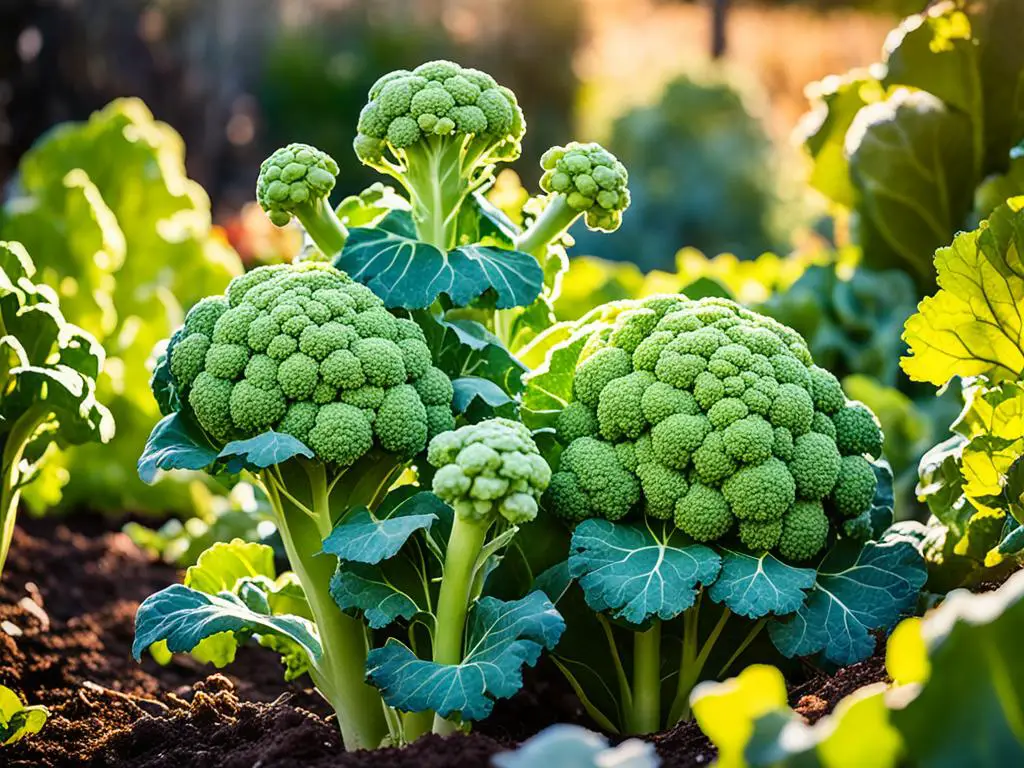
[463, 348]
[379, 591]
[262, 451]
[501, 638]
[756, 585]
[362, 537]
[184, 617]
[17, 720]
[634, 573]
[176, 442]
[858, 590]
[973, 325]
[469, 389]
[410, 274]
[221, 566]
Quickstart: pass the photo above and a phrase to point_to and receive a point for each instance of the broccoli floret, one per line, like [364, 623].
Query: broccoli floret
[804, 530]
[295, 182]
[582, 180]
[735, 424]
[438, 131]
[489, 469]
[341, 389]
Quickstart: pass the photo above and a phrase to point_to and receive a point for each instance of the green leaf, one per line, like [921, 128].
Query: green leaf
[472, 388]
[634, 573]
[501, 637]
[462, 348]
[370, 206]
[969, 710]
[373, 591]
[973, 325]
[185, 617]
[262, 451]
[17, 720]
[911, 164]
[572, 746]
[176, 442]
[409, 274]
[361, 538]
[224, 564]
[756, 585]
[858, 590]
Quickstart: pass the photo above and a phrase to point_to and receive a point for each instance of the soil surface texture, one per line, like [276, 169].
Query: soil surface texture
[67, 607]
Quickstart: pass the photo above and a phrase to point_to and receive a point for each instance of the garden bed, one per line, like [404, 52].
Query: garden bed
[67, 608]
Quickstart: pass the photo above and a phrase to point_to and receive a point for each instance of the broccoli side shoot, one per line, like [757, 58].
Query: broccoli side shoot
[438, 131]
[295, 182]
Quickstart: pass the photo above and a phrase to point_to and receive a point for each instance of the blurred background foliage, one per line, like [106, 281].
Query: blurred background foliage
[743, 184]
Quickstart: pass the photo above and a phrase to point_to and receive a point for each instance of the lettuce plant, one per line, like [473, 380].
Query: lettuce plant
[971, 328]
[48, 371]
[300, 378]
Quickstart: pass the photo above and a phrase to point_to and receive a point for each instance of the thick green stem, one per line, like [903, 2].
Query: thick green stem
[438, 175]
[340, 673]
[464, 546]
[323, 226]
[13, 451]
[645, 714]
[553, 221]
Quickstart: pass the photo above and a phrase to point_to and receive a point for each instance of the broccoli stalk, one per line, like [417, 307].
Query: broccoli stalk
[295, 182]
[581, 180]
[303, 494]
[438, 131]
[492, 475]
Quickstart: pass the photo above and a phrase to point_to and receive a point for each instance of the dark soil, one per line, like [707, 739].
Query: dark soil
[67, 606]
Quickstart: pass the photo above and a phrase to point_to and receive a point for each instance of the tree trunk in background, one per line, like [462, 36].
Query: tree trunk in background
[719, 11]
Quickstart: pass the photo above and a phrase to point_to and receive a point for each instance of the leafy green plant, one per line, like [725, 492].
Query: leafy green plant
[124, 237]
[18, 720]
[48, 372]
[301, 378]
[576, 747]
[947, 705]
[716, 480]
[971, 328]
[906, 146]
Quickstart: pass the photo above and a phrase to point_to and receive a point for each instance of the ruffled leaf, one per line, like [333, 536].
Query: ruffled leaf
[756, 585]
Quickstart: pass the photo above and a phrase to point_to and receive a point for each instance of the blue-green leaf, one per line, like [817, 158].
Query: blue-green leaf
[501, 638]
[572, 746]
[857, 591]
[463, 347]
[756, 585]
[262, 451]
[176, 442]
[469, 388]
[634, 574]
[363, 538]
[185, 617]
[369, 589]
[409, 274]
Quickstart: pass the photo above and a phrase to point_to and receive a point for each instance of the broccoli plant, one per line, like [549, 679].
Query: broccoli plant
[299, 377]
[716, 479]
[48, 370]
[439, 131]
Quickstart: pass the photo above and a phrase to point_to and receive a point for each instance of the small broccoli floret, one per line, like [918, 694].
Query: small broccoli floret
[583, 180]
[591, 481]
[339, 388]
[857, 431]
[438, 130]
[804, 531]
[855, 487]
[713, 415]
[489, 469]
[295, 182]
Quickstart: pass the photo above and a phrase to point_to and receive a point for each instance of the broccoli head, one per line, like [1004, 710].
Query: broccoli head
[295, 182]
[715, 417]
[438, 130]
[302, 349]
[489, 469]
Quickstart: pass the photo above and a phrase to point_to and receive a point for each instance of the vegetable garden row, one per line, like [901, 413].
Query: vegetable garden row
[465, 487]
